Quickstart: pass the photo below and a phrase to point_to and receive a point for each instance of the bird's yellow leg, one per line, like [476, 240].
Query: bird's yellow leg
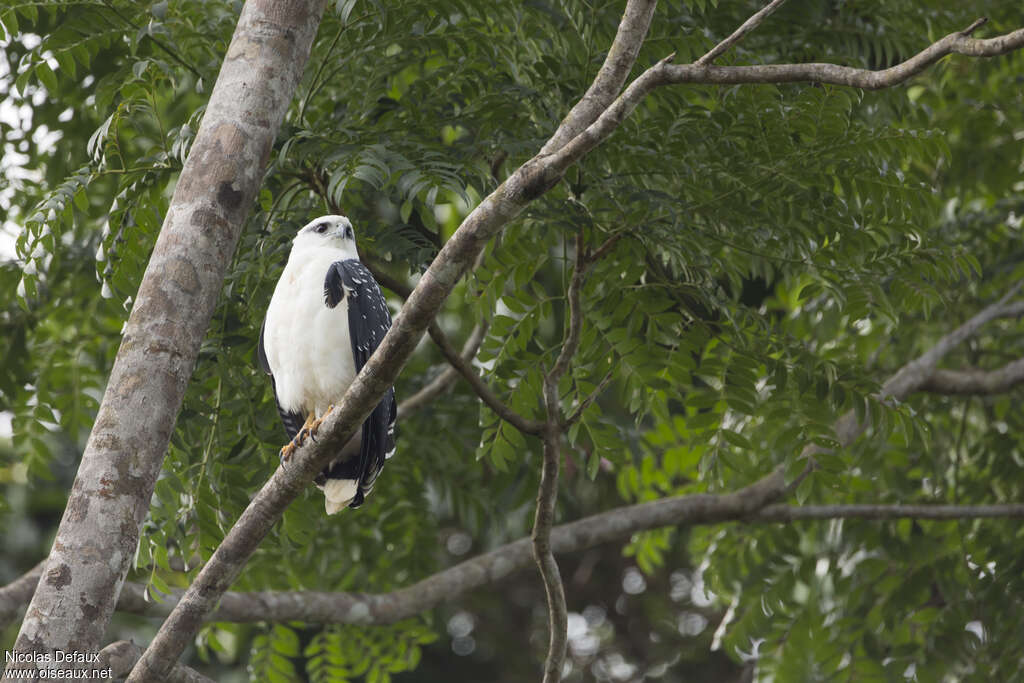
[314, 426]
[300, 438]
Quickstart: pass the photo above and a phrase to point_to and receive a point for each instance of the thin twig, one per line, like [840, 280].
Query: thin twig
[737, 35]
[606, 247]
[462, 363]
[582, 407]
[486, 394]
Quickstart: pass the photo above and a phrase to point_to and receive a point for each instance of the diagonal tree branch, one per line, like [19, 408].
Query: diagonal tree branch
[461, 363]
[912, 375]
[463, 366]
[908, 379]
[1014, 310]
[737, 35]
[455, 258]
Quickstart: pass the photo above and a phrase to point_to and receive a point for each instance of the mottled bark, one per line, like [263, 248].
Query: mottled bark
[98, 534]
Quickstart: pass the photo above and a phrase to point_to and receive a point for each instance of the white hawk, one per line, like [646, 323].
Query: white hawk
[325, 319]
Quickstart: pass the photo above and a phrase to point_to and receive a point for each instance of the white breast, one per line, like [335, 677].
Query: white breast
[307, 343]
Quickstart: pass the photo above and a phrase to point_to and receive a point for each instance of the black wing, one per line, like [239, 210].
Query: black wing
[292, 421]
[368, 321]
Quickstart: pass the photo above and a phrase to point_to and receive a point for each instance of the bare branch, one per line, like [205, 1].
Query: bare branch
[665, 73]
[582, 407]
[547, 492]
[737, 35]
[975, 381]
[486, 394]
[362, 608]
[1014, 310]
[544, 519]
[954, 43]
[614, 525]
[913, 375]
[461, 363]
[439, 384]
[794, 513]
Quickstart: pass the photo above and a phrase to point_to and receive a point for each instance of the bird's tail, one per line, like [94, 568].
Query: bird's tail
[338, 493]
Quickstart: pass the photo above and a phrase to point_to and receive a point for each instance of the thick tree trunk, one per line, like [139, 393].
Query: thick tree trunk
[97, 538]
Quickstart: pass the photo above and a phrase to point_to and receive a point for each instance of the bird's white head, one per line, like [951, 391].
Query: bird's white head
[332, 232]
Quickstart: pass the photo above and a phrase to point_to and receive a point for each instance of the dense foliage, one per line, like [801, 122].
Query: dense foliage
[783, 251]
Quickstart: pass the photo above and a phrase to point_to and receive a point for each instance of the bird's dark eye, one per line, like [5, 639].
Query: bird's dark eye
[349, 234]
[322, 228]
